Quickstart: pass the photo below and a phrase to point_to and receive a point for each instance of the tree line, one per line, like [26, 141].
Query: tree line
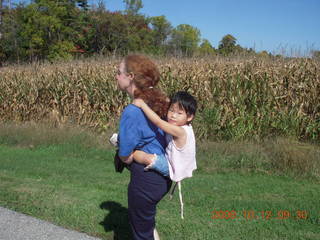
[64, 29]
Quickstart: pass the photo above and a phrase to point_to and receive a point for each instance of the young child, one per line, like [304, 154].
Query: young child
[180, 138]
[179, 160]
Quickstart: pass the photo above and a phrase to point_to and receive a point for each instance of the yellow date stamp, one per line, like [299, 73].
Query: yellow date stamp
[263, 215]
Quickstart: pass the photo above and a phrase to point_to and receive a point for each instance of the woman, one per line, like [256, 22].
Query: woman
[138, 75]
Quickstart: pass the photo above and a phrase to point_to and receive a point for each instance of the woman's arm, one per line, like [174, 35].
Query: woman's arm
[127, 159]
[173, 130]
[129, 134]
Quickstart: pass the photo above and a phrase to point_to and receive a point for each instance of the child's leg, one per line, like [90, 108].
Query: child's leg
[143, 157]
[159, 164]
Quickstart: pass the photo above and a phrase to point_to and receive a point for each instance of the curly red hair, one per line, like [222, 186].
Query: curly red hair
[146, 77]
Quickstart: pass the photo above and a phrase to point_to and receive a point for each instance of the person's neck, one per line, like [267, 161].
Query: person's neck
[130, 90]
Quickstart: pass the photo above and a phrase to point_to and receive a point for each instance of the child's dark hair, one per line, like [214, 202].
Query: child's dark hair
[185, 101]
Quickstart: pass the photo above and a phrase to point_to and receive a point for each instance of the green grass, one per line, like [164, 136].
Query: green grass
[73, 184]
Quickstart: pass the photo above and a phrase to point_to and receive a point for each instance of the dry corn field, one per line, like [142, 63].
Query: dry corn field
[238, 99]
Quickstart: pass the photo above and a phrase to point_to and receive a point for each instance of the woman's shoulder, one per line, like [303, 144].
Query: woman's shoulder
[132, 109]
[132, 113]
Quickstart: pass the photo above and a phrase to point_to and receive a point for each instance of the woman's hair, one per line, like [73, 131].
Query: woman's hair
[146, 77]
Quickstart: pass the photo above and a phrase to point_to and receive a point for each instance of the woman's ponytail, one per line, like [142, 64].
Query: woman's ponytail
[155, 99]
[146, 77]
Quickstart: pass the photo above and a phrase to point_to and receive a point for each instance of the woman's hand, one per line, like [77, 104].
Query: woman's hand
[138, 102]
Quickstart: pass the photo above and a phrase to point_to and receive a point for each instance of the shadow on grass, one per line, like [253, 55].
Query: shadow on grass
[116, 220]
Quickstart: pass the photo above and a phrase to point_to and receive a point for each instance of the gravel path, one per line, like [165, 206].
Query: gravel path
[17, 226]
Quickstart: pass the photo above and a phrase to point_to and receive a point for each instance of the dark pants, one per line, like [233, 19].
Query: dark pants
[145, 190]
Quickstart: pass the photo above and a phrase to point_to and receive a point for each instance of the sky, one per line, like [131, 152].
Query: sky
[290, 27]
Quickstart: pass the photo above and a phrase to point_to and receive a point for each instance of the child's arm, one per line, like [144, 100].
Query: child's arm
[173, 130]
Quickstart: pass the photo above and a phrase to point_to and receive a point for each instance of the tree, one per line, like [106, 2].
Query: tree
[264, 54]
[133, 6]
[83, 4]
[316, 54]
[206, 48]
[118, 33]
[11, 41]
[227, 44]
[50, 28]
[161, 29]
[2, 54]
[1, 13]
[185, 39]
[2, 8]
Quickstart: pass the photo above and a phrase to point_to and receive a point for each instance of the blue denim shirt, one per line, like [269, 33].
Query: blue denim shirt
[138, 133]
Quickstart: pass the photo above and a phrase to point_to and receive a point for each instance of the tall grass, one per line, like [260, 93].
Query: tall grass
[282, 156]
[238, 98]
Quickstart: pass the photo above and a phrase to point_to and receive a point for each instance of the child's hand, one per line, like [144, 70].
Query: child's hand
[138, 102]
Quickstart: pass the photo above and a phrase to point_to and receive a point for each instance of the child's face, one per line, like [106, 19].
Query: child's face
[177, 115]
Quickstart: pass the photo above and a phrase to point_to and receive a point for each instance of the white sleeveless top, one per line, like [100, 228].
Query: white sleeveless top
[182, 161]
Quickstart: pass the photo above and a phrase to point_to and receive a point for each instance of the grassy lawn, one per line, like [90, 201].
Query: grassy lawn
[76, 187]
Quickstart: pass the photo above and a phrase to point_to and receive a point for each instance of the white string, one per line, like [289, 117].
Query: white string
[180, 197]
